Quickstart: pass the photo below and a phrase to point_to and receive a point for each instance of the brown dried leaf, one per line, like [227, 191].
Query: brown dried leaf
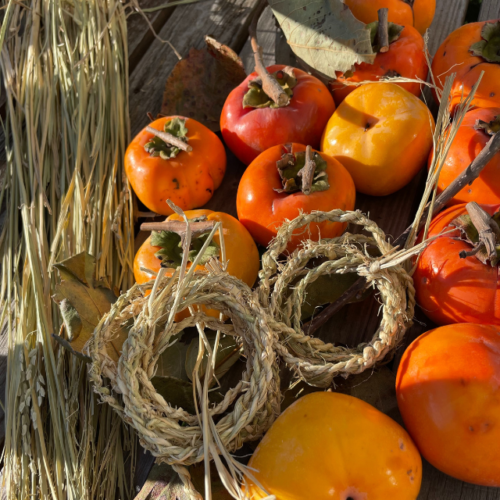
[83, 301]
[199, 84]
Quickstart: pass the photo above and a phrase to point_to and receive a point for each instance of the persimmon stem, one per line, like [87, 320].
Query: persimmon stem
[383, 29]
[487, 229]
[468, 176]
[170, 139]
[180, 227]
[269, 84]
[307, 172]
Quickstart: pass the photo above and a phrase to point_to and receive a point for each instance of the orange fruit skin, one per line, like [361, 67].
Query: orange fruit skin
[382, 135]
[468, 143]
[405, 57]
[262, 210]
[454, 290]
[241, 252]
[448, 391]
[453, 56]
[189, 179]
[330, 446]
[400, 12]
[249, 131]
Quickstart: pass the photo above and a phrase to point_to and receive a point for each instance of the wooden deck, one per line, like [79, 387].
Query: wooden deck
[152, 60]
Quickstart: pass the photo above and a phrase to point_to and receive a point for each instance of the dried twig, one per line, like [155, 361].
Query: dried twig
[383, 29]
[180, 227]
[269, 84]
[170, 139]
[487, 229]
[307, 172]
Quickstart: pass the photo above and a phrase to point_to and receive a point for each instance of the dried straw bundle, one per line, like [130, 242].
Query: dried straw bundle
[64, 64]
[314, 360]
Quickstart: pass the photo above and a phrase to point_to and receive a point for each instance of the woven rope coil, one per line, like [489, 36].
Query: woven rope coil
[315, 361]
[172, 434]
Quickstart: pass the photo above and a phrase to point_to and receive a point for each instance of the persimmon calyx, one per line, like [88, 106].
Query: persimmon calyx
[257, 98]
[482, 231]
[491, 128]
[302, 171]
[171, 242]
[170, 142]
[394, 32]
[489, 47]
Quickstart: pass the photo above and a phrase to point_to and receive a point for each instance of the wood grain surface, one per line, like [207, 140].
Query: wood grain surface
[226, 21]
[490, 9]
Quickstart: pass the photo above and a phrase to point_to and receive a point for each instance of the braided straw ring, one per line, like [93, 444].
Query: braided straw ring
[314, 360]
[172, 434]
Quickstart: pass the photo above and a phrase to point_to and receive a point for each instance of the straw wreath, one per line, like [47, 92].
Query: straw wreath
[315, 361]
[172, 434]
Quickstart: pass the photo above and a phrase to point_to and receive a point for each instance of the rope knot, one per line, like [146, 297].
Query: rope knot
[374, 267]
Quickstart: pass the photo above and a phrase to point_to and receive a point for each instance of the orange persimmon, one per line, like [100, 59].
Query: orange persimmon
[159, 172]
[330, 446]
[268, 194]
[405, 58]
[416, 13]
[475, 131]
[469, 50]
[451, 289]
[448, 391]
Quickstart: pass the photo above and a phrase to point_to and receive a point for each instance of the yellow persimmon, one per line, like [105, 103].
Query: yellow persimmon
[336, 447]
[382, 135]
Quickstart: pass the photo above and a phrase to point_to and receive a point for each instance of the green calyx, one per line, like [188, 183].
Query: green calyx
[394, 33]
[489, 47]
[158, 147]
[257, 98]
[291, 170]
[471, 235]
[490, 128]
[170, 252]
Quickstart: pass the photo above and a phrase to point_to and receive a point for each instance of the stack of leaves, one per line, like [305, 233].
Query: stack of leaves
[64, 64]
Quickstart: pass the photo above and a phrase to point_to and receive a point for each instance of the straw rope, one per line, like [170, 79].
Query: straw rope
[172, 434]
[315, 361]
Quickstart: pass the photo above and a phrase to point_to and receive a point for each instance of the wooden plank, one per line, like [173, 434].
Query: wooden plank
[225, 21]
[267, 31]
[490, 9]
[450, 15]
[139, 33]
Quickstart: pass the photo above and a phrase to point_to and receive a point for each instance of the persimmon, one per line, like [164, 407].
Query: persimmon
[382, 135]
[453, 286]
[448, 388]
[416, 13]
[159, 171]
[405, 58]
[163, 248]
[332, 446]
[469, 50]
[273, 189]
[476, 130]
[251, 122]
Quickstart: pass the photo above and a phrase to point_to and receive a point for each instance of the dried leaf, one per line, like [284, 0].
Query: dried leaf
[228, 353]
[377, 387]
[325, 35]
[83, 301]
[200, 83]
[327, 289]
